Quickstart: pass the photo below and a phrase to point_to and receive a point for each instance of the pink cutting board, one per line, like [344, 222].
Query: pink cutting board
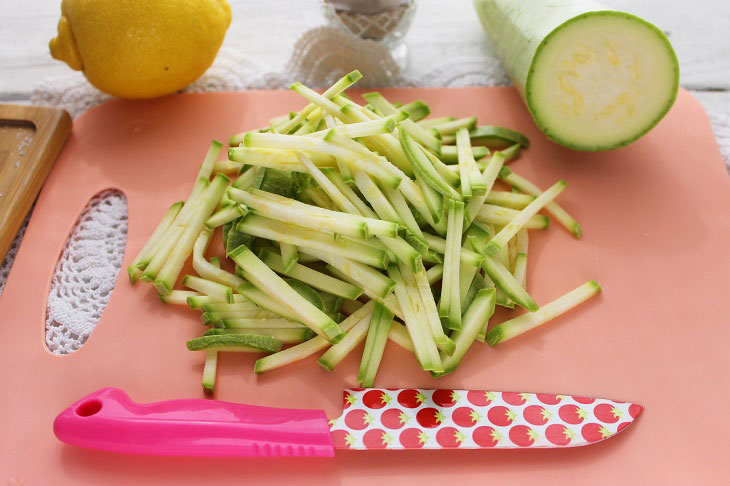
[656, 218]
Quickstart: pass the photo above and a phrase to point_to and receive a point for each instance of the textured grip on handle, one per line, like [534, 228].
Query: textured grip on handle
[109, 420]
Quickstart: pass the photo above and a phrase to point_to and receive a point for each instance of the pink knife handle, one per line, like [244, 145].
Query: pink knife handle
[109, 420]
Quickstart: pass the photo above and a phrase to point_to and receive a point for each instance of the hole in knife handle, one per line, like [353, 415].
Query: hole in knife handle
[89, 408]
[86, 272]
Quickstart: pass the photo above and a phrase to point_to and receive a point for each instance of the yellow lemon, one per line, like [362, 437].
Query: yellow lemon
[140, 48]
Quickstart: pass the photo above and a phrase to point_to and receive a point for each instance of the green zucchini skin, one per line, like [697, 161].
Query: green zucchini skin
[524, 32]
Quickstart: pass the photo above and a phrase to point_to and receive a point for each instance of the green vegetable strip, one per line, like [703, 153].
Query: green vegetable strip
[225, 215]
[351, 196]
[452, 262]
[376, 198]
[553, 208]
[303, 238]
[365, 276]
[341, 85]
[215, 290]
[244, 306]
[144, 254]
[417, 332]
[388, 301]
[292, 142]
[436, 206]
[419, 280]
[311, 277]
[423, 136]
[466, 255]
[269, 282]
[472, 181]
[209, 371]
[476, 317]
[377, 336]
[510, 200]
[424, 321]
[435, 273]
[374, 225]
[334, 355]
[295, 213]
[264, 301]
[178, 297]
[521, 219]
[279, 159]
[168, 274]
[489, 176]
[365, 129]
[227, 167]
[400, 205]
[289, 256]
[450, 127]
[399, 335]
[504, 280]
[385, 144]
[161, 250]
[246, 179]
[207, 270]
[466, 277]
[521, 245]
[500, 216]
[318, 197]
[314, 345]
[434, 122]
[423, 167]
[449, 155]
[443, 169]
[518, 325]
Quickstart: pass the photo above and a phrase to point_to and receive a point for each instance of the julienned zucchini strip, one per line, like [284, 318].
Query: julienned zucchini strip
[269, 282]
[377, 336]
[314, 345]
[303, 238]
[521, 219]
[518, 325]
[475, 319]
[565, 219]
[311, 277]
[135, 269]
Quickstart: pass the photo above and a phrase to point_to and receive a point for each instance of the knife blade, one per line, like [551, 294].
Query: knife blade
[375, 418]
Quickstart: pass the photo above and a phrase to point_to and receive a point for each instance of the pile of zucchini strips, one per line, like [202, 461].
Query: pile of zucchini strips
[344, 223]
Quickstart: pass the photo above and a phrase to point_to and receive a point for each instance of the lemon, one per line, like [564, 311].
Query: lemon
[140, 48]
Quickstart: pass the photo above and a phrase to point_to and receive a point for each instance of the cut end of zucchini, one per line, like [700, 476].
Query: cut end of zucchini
[601, 80]
[235, 342]
[577, 230]
[494, 336]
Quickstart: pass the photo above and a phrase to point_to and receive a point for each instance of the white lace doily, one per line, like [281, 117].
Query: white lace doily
[90, 263]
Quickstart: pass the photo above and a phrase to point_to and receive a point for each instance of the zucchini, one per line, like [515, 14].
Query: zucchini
[472, 181]
[510, 229]
[592, 78]
[377, 336]
[314, 345]
[450, 306]
[144, 256]
[510, 200]
[279, 159]
[291, 335]
[339, 351]
[450, 154]
[270, 283]
[399, 335]
[423, 167]
[565, 219]
[497, 215]
[260, 322]
[219, 292]
[304, 239]
[488, 175]
[209, 371]
[179, 297]
[518, 325]
[311, 277]
[235, 342]
[475, 318]
[206, 269]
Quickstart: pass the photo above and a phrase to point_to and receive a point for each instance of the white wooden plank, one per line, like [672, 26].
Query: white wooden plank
[441, 31]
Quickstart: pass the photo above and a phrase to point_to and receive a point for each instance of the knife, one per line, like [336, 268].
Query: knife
[374, 418]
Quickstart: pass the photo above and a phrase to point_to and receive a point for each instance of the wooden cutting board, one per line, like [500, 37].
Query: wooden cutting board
[656, 218]
[30, 139]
